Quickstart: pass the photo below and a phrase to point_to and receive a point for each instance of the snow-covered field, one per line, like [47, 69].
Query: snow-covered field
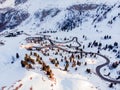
[14, 77]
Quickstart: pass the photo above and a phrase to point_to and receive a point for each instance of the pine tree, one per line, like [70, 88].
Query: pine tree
[17, 55]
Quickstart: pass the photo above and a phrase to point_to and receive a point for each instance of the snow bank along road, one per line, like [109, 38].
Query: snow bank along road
[97, 68]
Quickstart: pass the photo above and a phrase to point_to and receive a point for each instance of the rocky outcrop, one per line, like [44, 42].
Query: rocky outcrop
[83, 7]
[10, 18]
[42, 14]
[2, 1]
[17, 2]
[78, 14]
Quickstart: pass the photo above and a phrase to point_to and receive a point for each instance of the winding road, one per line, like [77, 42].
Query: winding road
[98, 68]
[102, 65]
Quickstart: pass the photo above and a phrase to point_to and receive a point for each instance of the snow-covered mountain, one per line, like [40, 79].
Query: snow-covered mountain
[82, 36]
[64, 15]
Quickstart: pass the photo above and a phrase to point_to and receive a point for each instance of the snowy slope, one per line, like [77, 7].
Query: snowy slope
[48, 17]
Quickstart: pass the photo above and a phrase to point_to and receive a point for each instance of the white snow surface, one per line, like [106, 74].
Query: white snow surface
[13, 75]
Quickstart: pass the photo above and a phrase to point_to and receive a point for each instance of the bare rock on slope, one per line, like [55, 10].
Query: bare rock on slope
[10, 18]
